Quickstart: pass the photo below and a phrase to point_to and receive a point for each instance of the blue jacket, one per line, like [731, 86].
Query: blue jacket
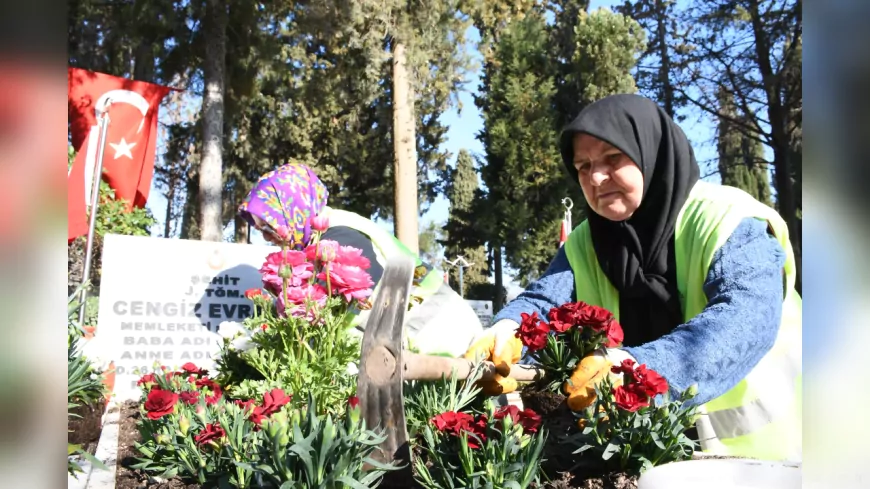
[716, 348]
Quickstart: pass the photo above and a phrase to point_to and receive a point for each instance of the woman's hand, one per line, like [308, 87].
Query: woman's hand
[591, 370]
[499, 345]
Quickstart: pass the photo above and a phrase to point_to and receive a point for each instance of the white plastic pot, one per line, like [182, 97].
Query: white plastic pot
[723, 474]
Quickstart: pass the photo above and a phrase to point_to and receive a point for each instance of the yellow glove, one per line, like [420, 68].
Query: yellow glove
[591, 370]
[499, 345]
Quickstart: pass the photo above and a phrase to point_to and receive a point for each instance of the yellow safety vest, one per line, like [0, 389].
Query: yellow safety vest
[761, 416]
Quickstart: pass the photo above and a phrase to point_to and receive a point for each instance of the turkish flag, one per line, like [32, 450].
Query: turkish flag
[131, 138]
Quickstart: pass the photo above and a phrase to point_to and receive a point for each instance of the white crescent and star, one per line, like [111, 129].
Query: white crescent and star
[123, 149]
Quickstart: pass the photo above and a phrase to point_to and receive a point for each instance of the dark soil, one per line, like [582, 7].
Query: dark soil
[127, 477]
[615, 480]
[85, 426]
[559, 421]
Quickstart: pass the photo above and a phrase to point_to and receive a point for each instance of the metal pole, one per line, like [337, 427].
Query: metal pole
[95, 199]
[460, 263]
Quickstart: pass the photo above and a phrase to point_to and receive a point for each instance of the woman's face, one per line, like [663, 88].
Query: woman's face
[611, 182]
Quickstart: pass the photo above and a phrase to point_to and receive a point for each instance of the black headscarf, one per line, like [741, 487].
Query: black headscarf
[637, 254]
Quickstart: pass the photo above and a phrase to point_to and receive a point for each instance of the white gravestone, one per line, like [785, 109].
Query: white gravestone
[162, 300]
[483, 309]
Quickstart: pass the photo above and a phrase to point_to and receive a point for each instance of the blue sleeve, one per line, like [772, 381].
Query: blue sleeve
[720, 346]
[554, 288]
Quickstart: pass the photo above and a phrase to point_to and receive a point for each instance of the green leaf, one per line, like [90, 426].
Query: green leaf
[657, 440]
[609, 451]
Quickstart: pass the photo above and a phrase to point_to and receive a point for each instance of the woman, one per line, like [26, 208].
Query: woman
[700, 276]
[286, 201]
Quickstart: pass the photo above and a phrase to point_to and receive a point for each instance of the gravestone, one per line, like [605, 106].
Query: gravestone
[483, 309]
[163, 300]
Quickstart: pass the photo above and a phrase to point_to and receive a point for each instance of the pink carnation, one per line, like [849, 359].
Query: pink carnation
[299, 269]
[352, 257]
[325, 250]
[350, 281]
[296, 297]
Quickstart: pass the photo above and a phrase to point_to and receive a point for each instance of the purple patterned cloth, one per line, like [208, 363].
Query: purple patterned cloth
[289, 197]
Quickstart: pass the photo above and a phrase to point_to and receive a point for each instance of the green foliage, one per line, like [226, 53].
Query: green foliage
[523, 172]
[170, 446]
[431, 250]
[84, 384]
[741, 156]
[423, 400]
[198, 434]
[304, 450]
[114, 218]
[291, 353]
[613, 438]
[500, 454]
[462, 236]
[608, 46]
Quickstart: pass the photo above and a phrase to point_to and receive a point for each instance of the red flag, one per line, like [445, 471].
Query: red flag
[563, 236]
[131, 138]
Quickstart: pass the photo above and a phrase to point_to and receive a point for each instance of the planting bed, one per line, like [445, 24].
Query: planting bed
[129, 478]
[85, 426]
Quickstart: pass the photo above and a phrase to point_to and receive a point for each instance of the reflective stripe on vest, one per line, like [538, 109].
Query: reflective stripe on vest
[760, 416]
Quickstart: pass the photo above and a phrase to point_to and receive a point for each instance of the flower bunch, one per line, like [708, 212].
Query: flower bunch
[299, 337]
[500, 447]
[191, 429]
[640, 384]
[625, 429]
[574, 330]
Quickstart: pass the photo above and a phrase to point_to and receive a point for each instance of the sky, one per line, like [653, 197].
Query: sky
[461, 134]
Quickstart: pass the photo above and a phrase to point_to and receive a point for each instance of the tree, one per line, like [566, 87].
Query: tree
[211, 165]
[462, 238]
[741, 159]
[431, 250]
[531, 89]
[749, 49]
[661, 60]
[522, 172]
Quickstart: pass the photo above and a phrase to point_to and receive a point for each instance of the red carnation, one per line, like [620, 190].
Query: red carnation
[626, 367]
[594, 317]
[630, 397]
[189, 397]
[653, 384]
[614, 334]
[254, 293]
[533, 332]
[528, 419]
[213, 387]
[247, 406]
[561, 319]
[160, 403]
[147, 379]
[190, 368]
[455, 423]
[452, 422]
[211, 432]
[273, 401]
[478, 429]
[353, 402]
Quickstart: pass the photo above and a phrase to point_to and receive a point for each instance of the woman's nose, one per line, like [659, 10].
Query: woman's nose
[597, 177]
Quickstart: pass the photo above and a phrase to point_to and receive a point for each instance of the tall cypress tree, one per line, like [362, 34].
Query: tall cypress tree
[463, 237]
[741, 157]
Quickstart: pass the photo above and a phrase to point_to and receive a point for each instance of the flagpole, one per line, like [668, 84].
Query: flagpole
[95, 200]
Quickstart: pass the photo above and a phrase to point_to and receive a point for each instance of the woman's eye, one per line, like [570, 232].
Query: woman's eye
[613, 158]
[583, 168]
